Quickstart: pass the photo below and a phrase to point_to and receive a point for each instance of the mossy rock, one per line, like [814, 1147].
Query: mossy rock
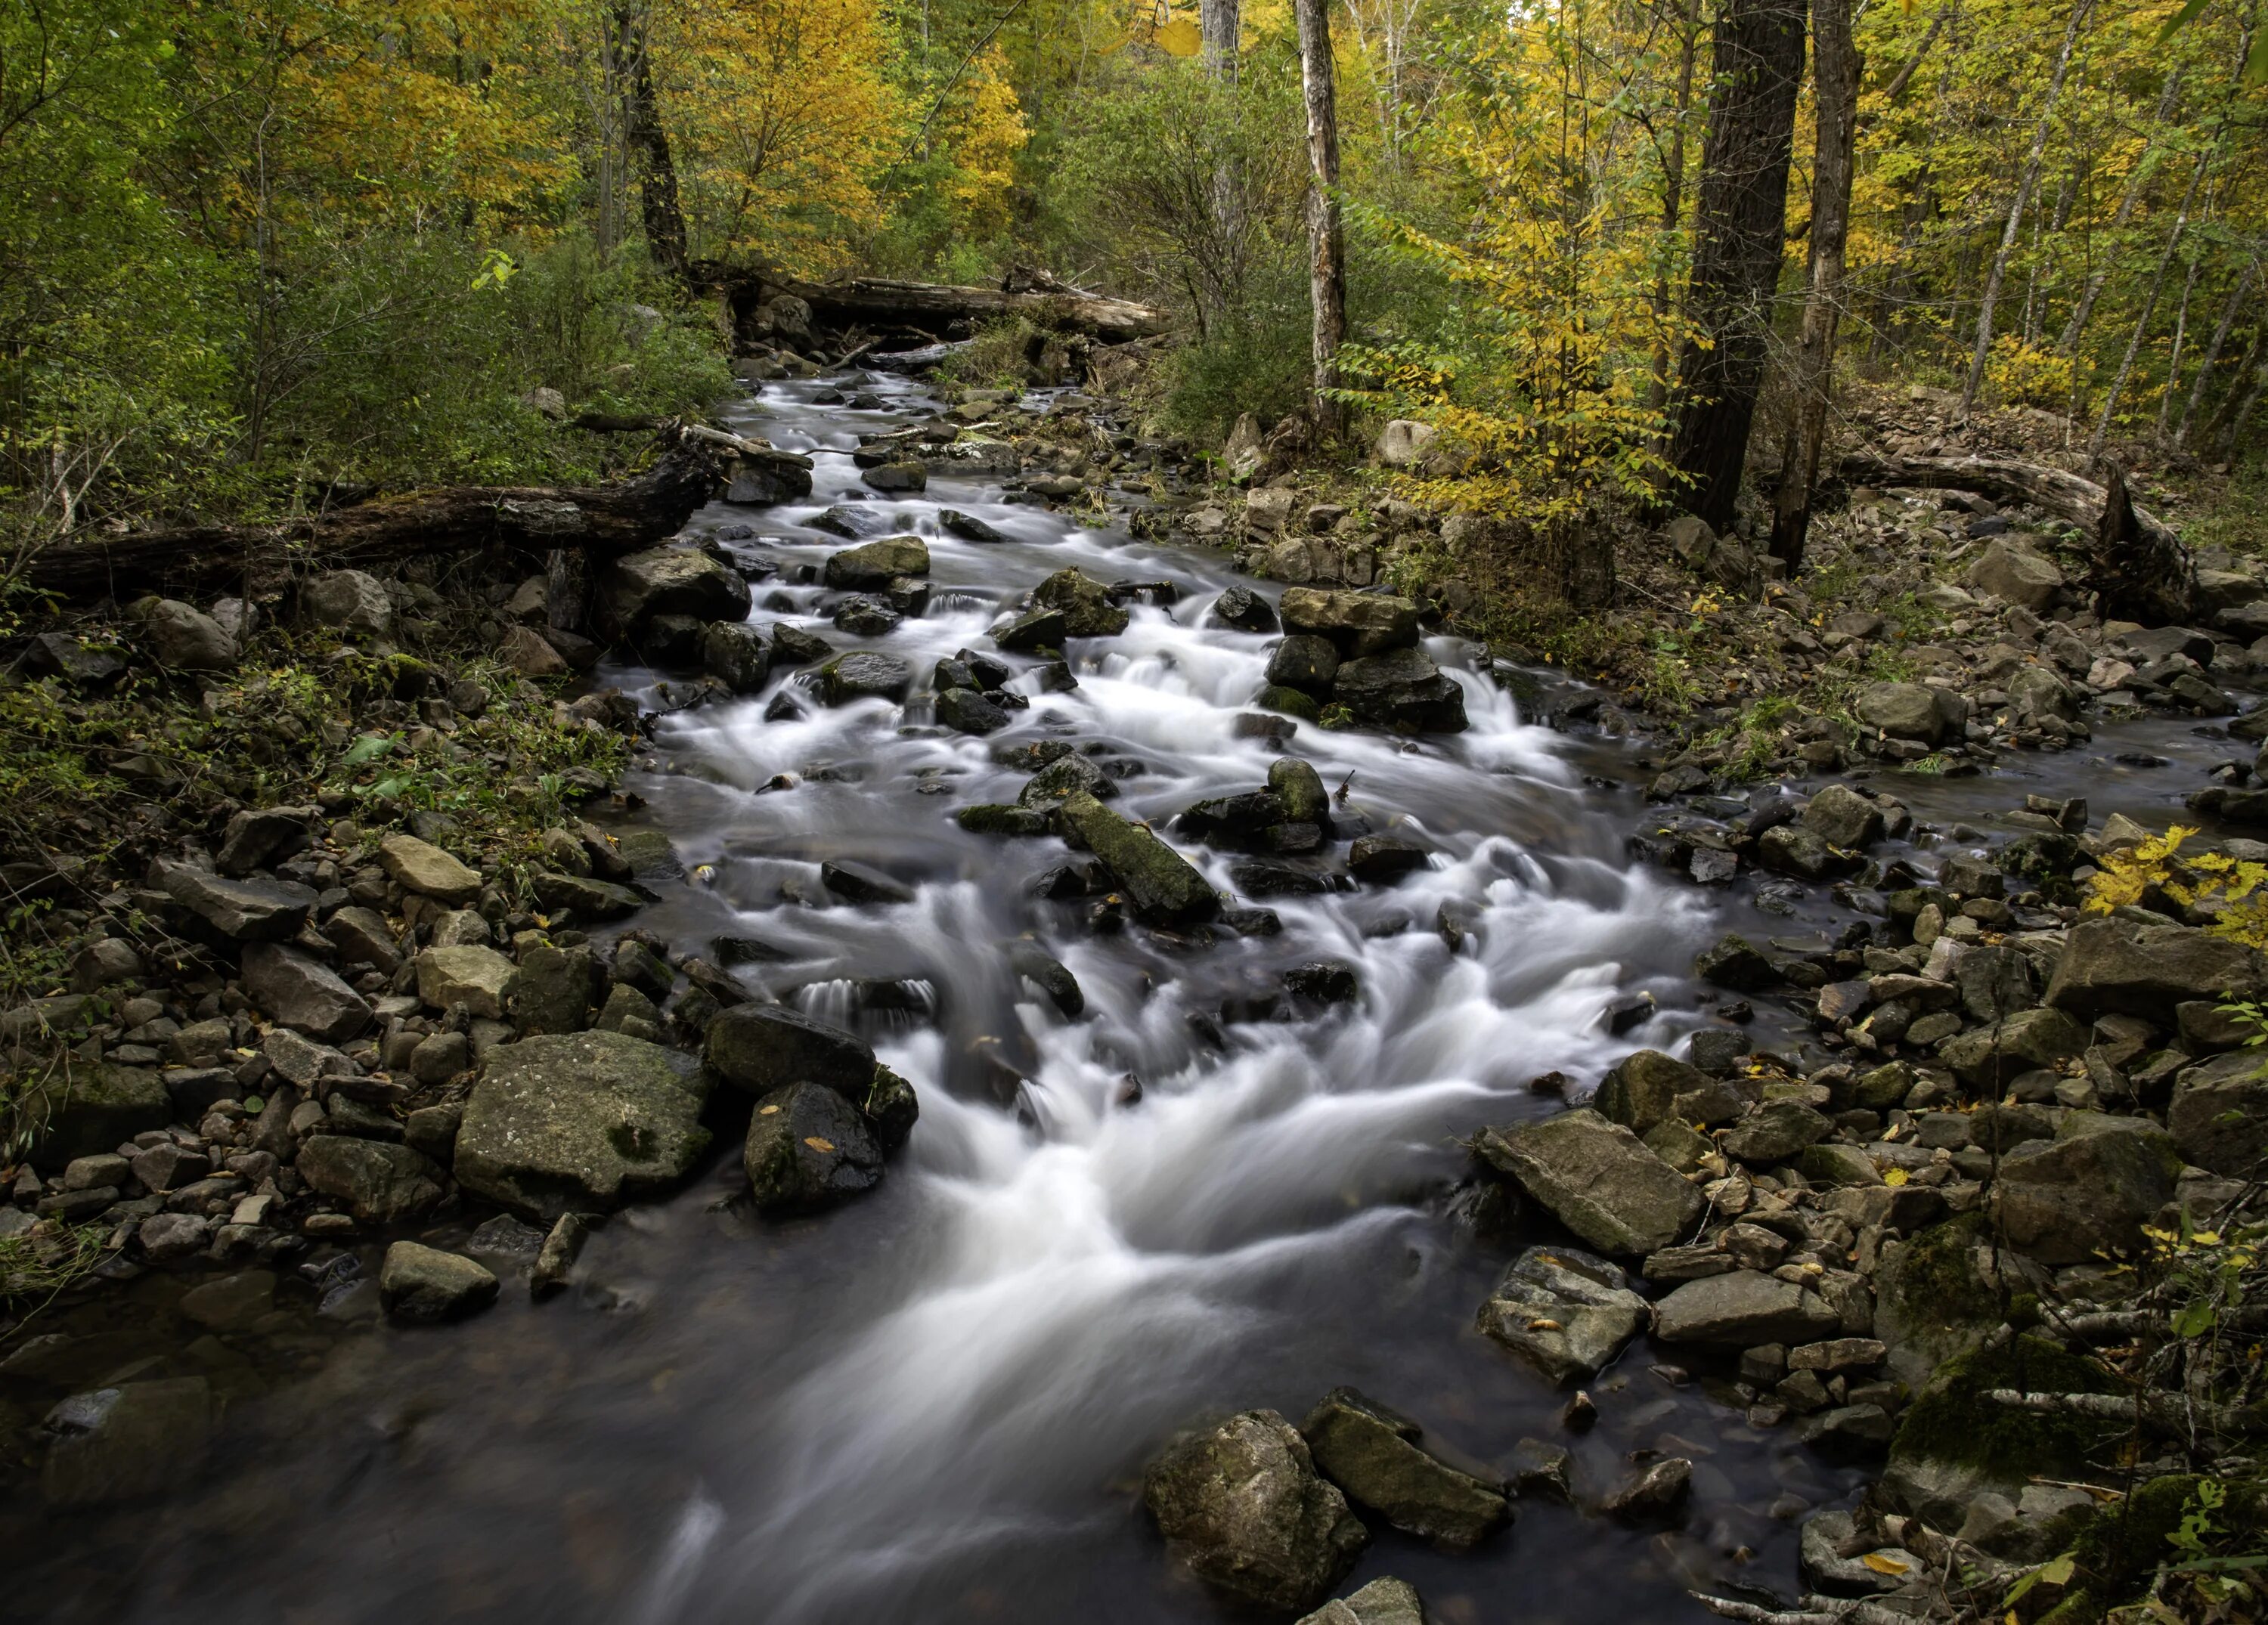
[1953, 1444]
[1934, 1298]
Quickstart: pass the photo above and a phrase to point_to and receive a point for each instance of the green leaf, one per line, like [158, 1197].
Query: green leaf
[2196, 1317]
[2058, 1571]
[365, 750]
[2181, 18]
[2256, 64]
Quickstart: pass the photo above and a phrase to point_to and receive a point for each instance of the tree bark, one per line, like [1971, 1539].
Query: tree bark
[1835, 74]
[1673, 200]
[2143, 166]
[1218, 22]
[609, 519]
[1222, 21]
[2024, 185]
[2212, 350]
[1741, 214]
[2141, 570]
[643, 132]
[1326, 242]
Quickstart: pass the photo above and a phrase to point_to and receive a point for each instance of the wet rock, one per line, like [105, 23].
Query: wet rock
[970, 711]
[1777, 1131]
[583, 897]
[793, 646]
[125, 1442]
[1241, 1503]
[1742, 1308]
[1791, 850]
[867, 617]
[992, 818]
[1384, 860]
[168, 1238]
[672, 581]
[1062, 779]
[1642, 1088]
[2120, 965]
[1304, 661]
[1242, 610]
[351, 601]
[764, 1048]
[862, 883]
[736, 654]
[424, 1284]
[241, 910]
[1910, 711]
[583, 1121]
[1159, 883]
[1401, 689]
[1374, 1455]
[1848, 1432]
[184, 640]
[2064, 1201]
[1659, 1492]
[382, 1184]
[2219, 1114]
[1597, 1178]
[1358, 624]
[1083, 602]
[422, 867]
[1842, 817]
[1565, 1313]
[1232, 821]
[1035, 965]
[904, 476]
[808, 1148]
[1299, 789]
[873, 565]
[891, 1109]
[1035, 630]
[473, 976]
[865, 675]
[104, 1107]
[968, 526]
[303, 994]
[555, 1260]
[1734, 962]
[553, 989]
[1384, 1601]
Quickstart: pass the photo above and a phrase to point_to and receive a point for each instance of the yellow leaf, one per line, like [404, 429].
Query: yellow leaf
[1881, 1564]
[767, 1111]
[1895, 1176]
[817, 1144]
[2058, 1571]
[1180, 38]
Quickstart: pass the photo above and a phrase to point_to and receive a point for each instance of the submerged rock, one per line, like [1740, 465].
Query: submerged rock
[423, 1283]
[808, 1148]
[1241, 1503]
[1374, 1455]
[1563, 1312]
[1083, 602]
[1158, 881]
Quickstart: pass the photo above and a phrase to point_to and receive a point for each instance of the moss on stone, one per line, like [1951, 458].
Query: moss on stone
[1951, 1420]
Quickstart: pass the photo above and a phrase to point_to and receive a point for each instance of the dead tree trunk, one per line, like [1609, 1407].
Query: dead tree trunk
[1326, 243]
[2137, 572]
[1835, 73]
[1741, 216]
[608, 519]
[2024, 185]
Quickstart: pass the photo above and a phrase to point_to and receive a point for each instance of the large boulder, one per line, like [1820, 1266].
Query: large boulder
[348, 600]
[464, 974]
[1241, 1503]
[2219, 1114]
[1844, 819]
[1596, 1178]
[1403, 442]
[186, 640]
[1083, 602]
[873, 565]
[1777, 1131]
[2065, 1201]
[1643, 1089]
[736, 654]
[762, 1049]
[1912, 711]
[865, 675]
[2122, 965]
[672, 581]
[581, 1122]
[125, 1441]
[1374, 1455]
[808, 1148]
[1563, 1312]
[1938, 1294]
[2016, 574]
[1384, 1601]
[380, 1183]
[92, 1109]
[423, 1283]
[1360, 624]
[1158, 881]
[1400, 690]
[422, 867]
[303, 993]
[1741, 1309]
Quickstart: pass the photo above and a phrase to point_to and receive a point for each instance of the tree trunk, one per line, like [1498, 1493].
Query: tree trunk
[1904, 75]
[1222, 21]
[1835, 73]
[609, 519]
[2149, 309]
[1673, 200]
[1219, 21]
[2029, 179]
[2143, 166]
[643, 133]
[2212, 350]
[1326, 244]
[2137, 572]
[2181, 338]
[1741, 214]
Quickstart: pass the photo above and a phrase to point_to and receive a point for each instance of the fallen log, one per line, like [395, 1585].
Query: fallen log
[607, 519]
[940, 309]
[2138, 567]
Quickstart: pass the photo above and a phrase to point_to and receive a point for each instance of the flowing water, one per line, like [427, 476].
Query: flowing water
[933, 1405]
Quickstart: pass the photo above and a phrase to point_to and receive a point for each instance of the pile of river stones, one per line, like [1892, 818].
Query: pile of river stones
[2000, 1096]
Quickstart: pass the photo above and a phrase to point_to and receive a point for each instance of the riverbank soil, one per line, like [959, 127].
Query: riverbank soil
[997, 1026]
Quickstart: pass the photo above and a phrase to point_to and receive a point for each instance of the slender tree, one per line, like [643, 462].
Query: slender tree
[2144, 167]
[649, 142]
[2025, 186]
[1326, 242]
[2228, 315]
[1741, 215]
[1835, 77]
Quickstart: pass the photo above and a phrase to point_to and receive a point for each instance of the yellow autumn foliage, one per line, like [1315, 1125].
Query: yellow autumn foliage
[2229, 888]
